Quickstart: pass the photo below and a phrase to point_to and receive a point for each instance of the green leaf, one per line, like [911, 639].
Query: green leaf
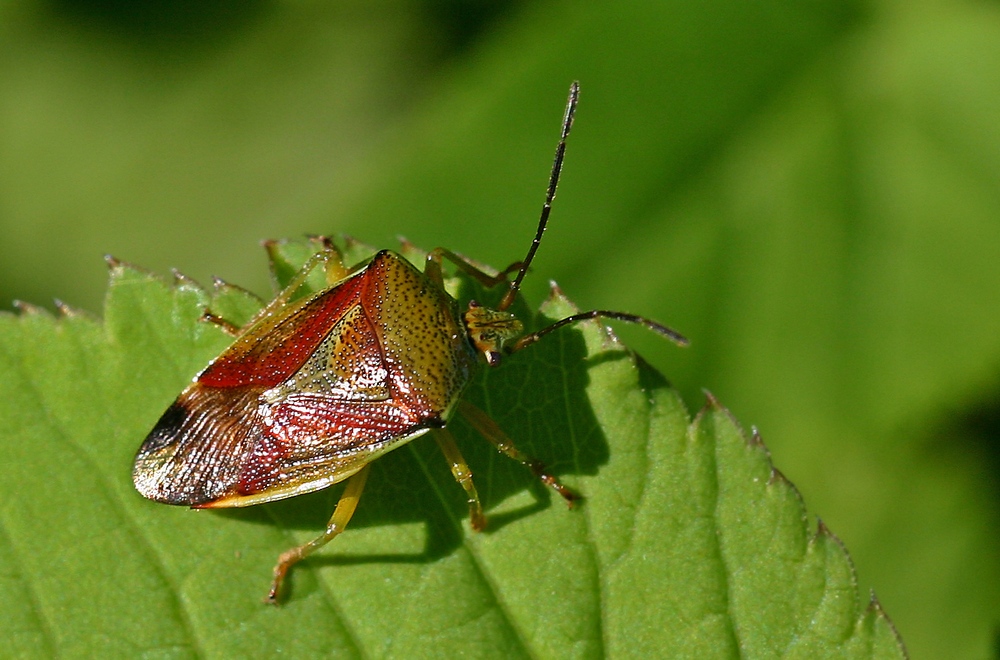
[687, 542]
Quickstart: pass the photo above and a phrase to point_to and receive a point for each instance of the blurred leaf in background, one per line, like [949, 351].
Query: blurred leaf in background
[809, 190]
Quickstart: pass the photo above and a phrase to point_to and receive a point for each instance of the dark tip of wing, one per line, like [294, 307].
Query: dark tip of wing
[153, 474]
[193, 454]
[165, 430]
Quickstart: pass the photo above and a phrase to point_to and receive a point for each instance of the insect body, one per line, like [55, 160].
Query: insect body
[313, 390]
[310, 395]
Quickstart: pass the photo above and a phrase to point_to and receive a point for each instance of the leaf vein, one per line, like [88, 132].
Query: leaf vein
[477, 562]
[328, 594]
[30, 392]
[32, 600]
[718, 532]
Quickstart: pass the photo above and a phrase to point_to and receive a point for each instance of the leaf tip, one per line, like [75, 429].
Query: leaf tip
[555, 291]
[874, 605]
[28, 309]
[558, 297]
[181, 280]
[778, 477]
[825, 533]
[118, 266]
[321, 241]
[65, 310]
[412, 252]
[712, 403]
[756, 441]
[876, 611]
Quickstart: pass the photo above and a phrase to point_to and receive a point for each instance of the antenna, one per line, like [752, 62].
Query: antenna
[508, 299]
[557, 163]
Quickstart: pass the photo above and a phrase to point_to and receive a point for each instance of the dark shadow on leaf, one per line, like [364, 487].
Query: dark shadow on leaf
[498, 521]
[353, 560]
[650, 379]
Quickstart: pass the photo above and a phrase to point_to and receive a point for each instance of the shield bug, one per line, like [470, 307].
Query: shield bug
[313, 389]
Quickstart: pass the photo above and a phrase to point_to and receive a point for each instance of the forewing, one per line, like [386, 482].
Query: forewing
[349, 365]
[335, 414]
[302, 400]
[195, 453]
[201, 446]
[312, 441]
[277, 346]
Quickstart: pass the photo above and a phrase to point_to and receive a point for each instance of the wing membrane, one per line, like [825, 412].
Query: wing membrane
[188, 457]
[311, 441]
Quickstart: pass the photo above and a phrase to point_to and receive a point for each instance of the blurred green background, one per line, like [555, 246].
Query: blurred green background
[809, 190]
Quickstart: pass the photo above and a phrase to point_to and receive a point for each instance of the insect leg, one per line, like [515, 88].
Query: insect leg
[334, 266]
[463, 475]
[222, 287]
[329, 257]
[341, 516]
[437, 256]
[489, 430]
[323, 257]
[226, 326]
